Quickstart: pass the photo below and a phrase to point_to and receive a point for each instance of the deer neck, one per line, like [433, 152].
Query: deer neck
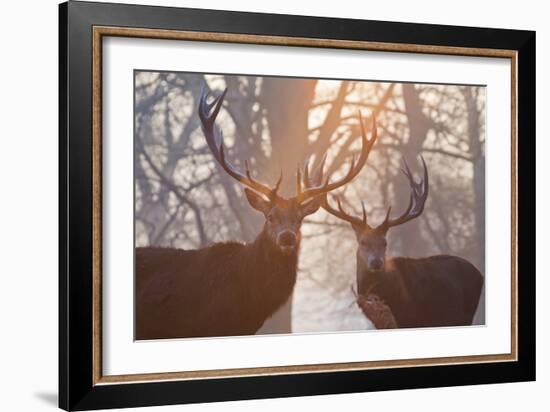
[270, 275]
[266, 256]
[378, 282]
[387, 284]
[368, 281]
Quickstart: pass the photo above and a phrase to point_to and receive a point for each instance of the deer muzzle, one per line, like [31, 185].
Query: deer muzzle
[375, 264]
[287, 240]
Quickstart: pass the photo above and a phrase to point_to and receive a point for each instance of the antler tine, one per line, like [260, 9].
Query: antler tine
[354, 169]
[299, 180]
[320, 169]
[277, 184]
[426, 183]
[207, 114]
[309, 180]
[208, 117]
[341, 213]
[247, 169]
[306, 176]
[364, 212]
[417, 200]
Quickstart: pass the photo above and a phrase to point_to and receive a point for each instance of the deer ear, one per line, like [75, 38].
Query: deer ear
[311, 207]
[257, 201]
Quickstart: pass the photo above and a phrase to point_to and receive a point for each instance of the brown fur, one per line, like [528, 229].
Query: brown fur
[226, 289]
[439, 290]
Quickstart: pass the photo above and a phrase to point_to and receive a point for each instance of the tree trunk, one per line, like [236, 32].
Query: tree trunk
[287, 104]
[478, 158]
[419, 125]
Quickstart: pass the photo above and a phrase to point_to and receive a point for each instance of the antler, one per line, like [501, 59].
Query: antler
[353, 171]
[214, 139]
[341, 214]
[419, 194]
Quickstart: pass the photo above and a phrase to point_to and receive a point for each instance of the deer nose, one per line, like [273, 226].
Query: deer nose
[286, 239]
[376, 264]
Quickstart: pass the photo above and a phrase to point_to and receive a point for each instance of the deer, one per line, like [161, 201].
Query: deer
[230, 288]
[404, 292]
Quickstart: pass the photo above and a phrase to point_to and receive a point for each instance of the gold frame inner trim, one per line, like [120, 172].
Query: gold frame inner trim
[102, 31]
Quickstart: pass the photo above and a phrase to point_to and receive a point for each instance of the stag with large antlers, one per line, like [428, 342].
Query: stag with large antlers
[230, 288]
[438, 290]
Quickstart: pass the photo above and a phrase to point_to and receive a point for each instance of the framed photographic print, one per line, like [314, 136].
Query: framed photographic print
[257, 205]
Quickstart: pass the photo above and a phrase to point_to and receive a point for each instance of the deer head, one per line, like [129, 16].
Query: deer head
[371, 250]
[283, 215]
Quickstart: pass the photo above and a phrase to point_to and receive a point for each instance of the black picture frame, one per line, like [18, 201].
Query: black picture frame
[77, 390]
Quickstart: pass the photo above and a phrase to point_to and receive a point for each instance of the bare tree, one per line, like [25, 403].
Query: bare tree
[183, 200]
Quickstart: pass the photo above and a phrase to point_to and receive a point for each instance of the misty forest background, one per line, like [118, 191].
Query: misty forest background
[184, 199]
